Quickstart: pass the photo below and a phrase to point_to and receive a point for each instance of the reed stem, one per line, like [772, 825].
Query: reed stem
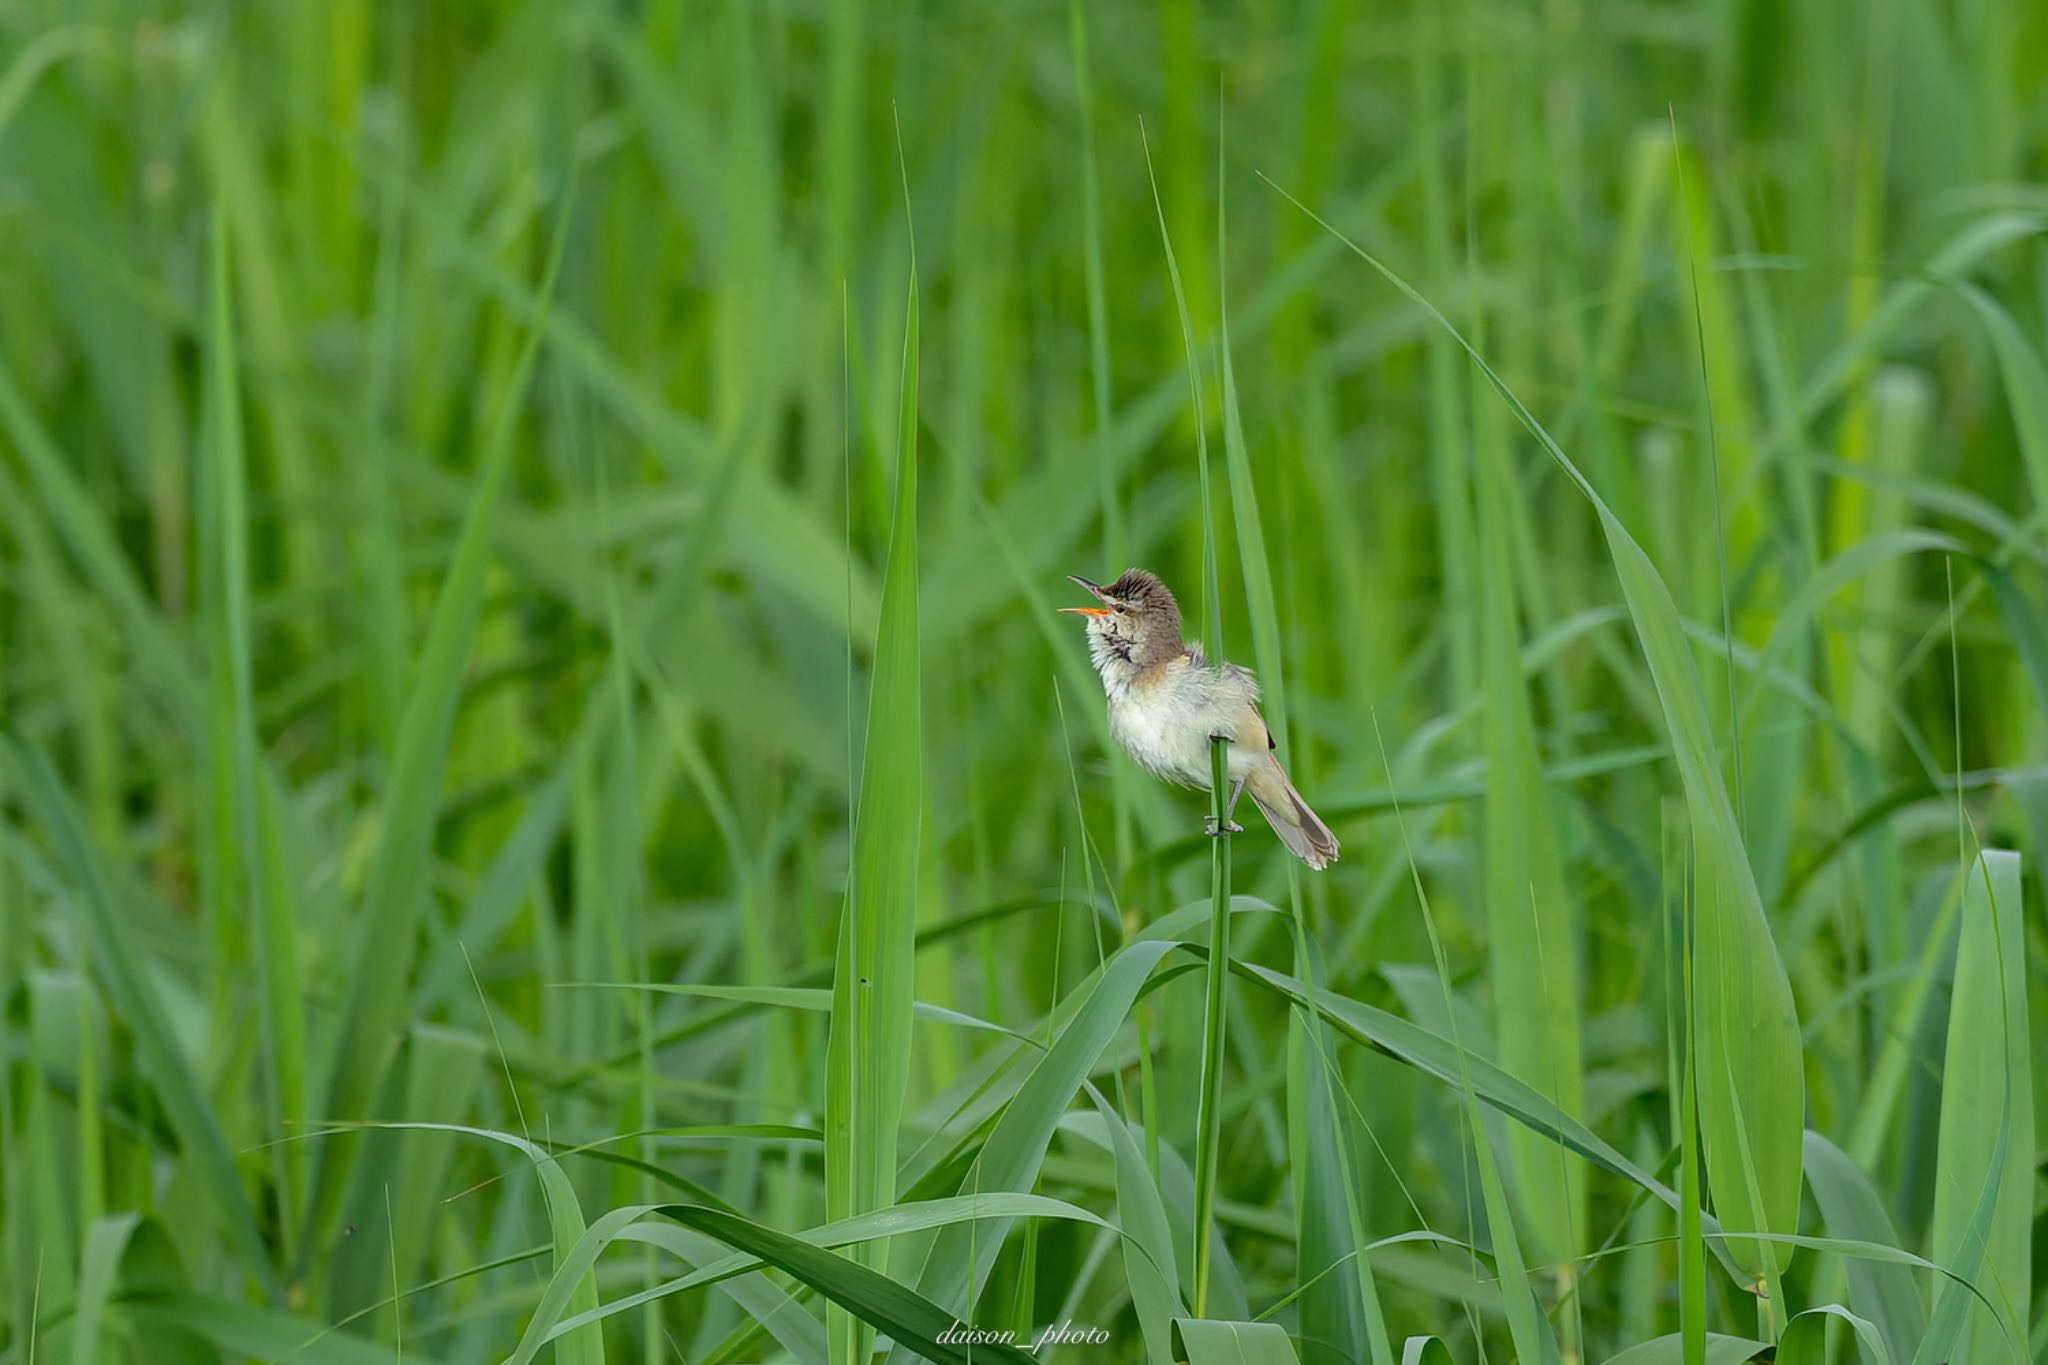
[1208, 1114]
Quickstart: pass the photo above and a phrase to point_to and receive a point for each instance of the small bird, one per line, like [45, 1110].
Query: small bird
[1167, 702]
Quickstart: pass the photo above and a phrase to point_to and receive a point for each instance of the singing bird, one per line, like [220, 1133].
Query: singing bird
[1167, 702]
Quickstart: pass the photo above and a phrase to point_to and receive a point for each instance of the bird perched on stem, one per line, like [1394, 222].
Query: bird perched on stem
[1167, 702]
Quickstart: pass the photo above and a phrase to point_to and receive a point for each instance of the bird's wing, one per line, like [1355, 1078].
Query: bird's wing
[1235, 673]
[1243, 676]
[1271, 743]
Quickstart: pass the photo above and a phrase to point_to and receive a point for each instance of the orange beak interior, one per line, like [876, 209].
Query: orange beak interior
[1086, 611]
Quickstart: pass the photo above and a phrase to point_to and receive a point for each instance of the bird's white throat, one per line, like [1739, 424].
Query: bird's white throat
[1112, 659]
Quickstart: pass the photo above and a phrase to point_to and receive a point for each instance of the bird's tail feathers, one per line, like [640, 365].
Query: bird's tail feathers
[1300, 828]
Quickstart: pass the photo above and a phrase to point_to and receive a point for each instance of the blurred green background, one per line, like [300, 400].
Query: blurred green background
[457, 549]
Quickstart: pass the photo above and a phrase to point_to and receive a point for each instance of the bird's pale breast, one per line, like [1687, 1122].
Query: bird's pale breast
[1163, 720]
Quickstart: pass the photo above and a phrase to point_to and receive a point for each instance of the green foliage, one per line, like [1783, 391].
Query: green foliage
[536, 820]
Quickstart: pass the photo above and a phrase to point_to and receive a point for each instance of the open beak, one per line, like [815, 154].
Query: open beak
[1095, 588]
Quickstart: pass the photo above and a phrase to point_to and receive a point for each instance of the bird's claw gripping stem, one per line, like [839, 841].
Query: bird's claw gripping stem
[1230, 826]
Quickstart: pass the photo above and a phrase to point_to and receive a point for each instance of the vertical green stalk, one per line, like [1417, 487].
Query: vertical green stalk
[1208, 1116]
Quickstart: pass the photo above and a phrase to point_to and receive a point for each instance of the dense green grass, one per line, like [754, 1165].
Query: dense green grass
[540, 772]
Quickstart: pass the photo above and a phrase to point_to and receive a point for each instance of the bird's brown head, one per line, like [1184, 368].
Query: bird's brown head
[1138, 623]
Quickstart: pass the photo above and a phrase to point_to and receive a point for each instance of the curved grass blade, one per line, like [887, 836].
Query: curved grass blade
[1945, 266]
[1804, 1340]
[565, 1220]
[910, 1319]
[1010, 1159]
[1207, 1341]
[627, 1224]
[1746, 1025]
[1721, 1350]
[769, 1309]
